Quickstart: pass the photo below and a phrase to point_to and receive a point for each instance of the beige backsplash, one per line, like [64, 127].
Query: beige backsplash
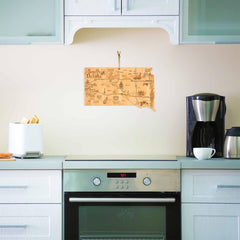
[47, 80]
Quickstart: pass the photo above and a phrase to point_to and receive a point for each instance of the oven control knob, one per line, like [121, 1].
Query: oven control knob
[96, 181]
[146, 181]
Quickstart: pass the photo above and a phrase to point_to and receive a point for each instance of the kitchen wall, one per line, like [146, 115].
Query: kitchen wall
[48, 80]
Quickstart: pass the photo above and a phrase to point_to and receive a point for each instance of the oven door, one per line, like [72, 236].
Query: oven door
[122, 216]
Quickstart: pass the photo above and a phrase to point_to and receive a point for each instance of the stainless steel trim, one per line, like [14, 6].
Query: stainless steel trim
[32, 155]
[228, 186]
[205, 111]
[123, 236]
[13, 226]
[162, 180]
[160, 200]
[13, 186]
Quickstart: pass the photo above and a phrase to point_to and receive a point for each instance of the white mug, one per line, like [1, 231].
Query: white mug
[203, 153]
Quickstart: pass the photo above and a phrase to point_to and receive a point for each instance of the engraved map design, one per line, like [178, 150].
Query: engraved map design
[119, 86]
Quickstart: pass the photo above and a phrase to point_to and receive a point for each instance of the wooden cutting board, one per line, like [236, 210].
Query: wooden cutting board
[8, 159]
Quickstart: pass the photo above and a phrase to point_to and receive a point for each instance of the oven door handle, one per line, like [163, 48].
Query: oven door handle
[101, 200]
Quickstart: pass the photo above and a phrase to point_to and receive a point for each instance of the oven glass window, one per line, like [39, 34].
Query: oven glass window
[122, 222]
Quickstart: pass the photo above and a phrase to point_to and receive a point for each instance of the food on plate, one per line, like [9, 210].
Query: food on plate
[5, 155]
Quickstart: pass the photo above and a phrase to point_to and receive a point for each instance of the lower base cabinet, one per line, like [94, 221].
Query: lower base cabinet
[211, 221]
[30, 221]
[210, 204]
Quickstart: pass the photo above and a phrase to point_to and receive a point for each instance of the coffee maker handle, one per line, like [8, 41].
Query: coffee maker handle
[224, 109]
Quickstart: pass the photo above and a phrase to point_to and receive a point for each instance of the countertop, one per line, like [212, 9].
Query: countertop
[144, 162]
[46, 162]
[213, 163]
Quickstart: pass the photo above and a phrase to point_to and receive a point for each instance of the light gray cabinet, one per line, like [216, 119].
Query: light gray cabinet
[210, 221]
[210, 21]
[210, 204]
[150, 7]
[121, 14]
[30, 204]
[35, 21]
[30, 221]
[121, 7]
[92, 7]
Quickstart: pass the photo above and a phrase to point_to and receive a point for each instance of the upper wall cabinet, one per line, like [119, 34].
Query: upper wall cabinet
[35, 21]
[92, 7]
[215, 21]
[150, 7]
[121, 7]
[122, 14]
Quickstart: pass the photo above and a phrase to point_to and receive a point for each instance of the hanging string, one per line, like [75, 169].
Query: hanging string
[119, 56]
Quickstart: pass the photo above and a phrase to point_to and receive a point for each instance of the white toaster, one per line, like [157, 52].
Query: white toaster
[25, 140]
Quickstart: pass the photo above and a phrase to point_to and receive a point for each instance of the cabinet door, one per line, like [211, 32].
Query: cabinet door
[24, 21]
[92, 7]
[150, 7]
[210, 21]
[210, 221]
[30, 221]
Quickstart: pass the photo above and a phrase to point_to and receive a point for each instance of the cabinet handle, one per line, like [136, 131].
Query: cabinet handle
[13, 226]
[227, 42]
[115, 5]
[13, 186]
[39, 35]
[128, 5]
[228, 186]
[16, 43]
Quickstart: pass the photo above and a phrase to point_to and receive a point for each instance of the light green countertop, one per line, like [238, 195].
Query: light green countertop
[46, 162]
[213, 163]
[59, 162]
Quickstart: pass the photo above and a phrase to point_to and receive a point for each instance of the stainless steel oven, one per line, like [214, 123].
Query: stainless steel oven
[122, 204]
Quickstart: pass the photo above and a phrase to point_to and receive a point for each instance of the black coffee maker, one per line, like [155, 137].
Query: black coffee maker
[205, 122]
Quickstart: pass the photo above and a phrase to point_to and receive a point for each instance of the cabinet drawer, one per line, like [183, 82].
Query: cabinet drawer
[220, 186]
[30, 186]
[30, 221]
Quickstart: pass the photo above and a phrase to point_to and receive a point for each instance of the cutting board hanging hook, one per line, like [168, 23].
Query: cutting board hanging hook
[119, 56]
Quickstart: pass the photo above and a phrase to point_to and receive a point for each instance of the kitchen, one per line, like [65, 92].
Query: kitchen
[48, 80]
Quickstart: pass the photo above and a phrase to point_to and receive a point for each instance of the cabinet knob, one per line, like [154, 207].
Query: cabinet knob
[155, 21]
[89, 21]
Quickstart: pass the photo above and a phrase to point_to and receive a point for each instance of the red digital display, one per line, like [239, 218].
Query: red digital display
[121, 175]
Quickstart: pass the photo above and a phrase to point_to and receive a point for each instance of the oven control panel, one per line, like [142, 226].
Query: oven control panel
[122, 180]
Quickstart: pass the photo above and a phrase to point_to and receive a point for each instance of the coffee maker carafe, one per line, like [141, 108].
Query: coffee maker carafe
[205, 122]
